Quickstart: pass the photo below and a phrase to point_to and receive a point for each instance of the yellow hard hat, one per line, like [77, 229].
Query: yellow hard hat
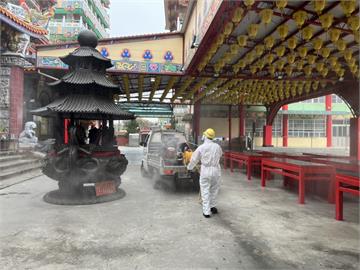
[209, 133]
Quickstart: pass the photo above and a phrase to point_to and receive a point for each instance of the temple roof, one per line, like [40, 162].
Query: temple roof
[85, 77]
[72, 57]
[88, 106]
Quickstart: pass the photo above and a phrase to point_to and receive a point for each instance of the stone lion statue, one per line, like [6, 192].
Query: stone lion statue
[27, 136]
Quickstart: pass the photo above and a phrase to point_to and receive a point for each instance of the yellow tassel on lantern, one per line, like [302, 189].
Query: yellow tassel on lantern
[242, 40]
[333, 61]
[269, 42]
[280, 65]
[319, 66]
[266, 15]
[347, 54]
[228, 28]
[341, 72]
[299, 64]
[280, 51]
[319, 5]
[302, 52]
[292, 42]
[237, 16]
[348, 6]
[269, 58]
[351, 62]
[299, 17]
[324, 72]
[311, 59]
[341, 45]
[325, 52]
[315, 85]
[283, 31]
[249, 3]
[334, 34]
[291, 58]
[353, 23]
[253, 69]
[317, 44]
[307, 33]
[288, 70]
[308, 71]
[259, 49]
[326, 20]
[281, 4]
[253, 30]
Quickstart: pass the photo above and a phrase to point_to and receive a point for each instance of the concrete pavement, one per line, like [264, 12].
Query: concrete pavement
[161, 229]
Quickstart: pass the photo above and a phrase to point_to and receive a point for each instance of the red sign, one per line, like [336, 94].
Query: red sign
[105, 187]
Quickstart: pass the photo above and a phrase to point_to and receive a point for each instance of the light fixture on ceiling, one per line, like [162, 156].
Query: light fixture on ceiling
[152, 79]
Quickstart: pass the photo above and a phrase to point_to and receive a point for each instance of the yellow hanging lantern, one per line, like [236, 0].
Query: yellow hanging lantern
[300, 64]
[324, 72]
[241, 64]
[227, 58]
[242, 40]
[347, 54]
[341, 72]
[213, 49]
[307, 33]
[299, 17]
[311, 59]
[269, 42]
[236, 68]
[307, 87]
[228, 28]
[325, 52]
[291, 58]
[249, 3]
[333, 61]
[308, 71]
[253, 30]
[280, 51]
[302, 52]
[237, 16]
[283, 31]
[341, 45]
[334, 34]
[326, 20]
[317, 44]
[266, 15]
[280, 65]
[219, 40]
[217, 67]
[260, 64]
[351, 62]
[357, 36]
[337, 67]
[353, 23]
[319, 5]
[234, 49]
[259, 49]
[281, 4]
[253, 69]
[315, 85]
[269, 58]
[288, 70]
[292, 42]
[348, 6]
[319, 66]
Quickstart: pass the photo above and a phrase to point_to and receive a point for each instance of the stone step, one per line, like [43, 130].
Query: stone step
[10, 158]
[7, 153]
[18, 163]
[20, 178]
[16, 171]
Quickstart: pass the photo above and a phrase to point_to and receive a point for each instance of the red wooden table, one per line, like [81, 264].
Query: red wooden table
[250, 159]
[348, 184]
[326, 156]
[299, 170]
[340, 164]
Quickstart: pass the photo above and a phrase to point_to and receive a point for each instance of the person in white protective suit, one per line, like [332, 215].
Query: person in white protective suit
[209, 153]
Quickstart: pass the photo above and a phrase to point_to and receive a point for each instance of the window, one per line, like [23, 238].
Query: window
[308, 127]
[336, 99]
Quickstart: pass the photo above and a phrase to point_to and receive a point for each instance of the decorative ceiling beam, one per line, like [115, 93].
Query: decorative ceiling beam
[140, 86]
[126, 86]
[168, 87]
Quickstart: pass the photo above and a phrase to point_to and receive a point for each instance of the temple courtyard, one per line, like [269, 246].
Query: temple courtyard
[156, 227]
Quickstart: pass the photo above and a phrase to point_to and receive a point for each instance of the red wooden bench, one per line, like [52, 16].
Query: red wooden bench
[299, 170]
[250, 159]
[348, 184]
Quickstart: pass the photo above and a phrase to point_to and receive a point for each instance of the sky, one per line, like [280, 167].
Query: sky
[134, 17]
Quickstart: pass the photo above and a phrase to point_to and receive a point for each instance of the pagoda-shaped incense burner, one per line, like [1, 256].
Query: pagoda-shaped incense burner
[85, 161]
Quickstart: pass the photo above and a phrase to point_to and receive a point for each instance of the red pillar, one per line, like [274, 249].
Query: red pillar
[267, 136]
[285, 129]
[328, 121]
[196, 121]
[16, 100]
[66, 134]
[229, 118]
[355, 137]
[241, 121]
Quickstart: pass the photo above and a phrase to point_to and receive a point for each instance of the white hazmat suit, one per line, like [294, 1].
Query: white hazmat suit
[209, 153]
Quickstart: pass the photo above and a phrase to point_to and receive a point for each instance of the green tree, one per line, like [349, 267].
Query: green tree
[132, 126]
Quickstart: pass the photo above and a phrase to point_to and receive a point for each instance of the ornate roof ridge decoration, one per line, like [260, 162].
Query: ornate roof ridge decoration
[22, 23]
[87, 105]
[85, 76]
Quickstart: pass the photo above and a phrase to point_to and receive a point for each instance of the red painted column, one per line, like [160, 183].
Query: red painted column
[241, 121]
[285, 126]
[267, 135]
[16, 100]
[196, 121]
[355, 137]
[66, 134]
[328, 104]
[229, 119]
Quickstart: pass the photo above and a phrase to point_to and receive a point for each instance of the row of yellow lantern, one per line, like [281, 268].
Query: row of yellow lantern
[195, 88]
[126, 85]
[183, 87]
[210, 87]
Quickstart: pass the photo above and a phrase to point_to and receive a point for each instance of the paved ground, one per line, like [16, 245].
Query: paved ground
[162, 229]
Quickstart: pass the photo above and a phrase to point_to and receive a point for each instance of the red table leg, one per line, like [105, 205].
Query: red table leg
[338, 201]
[231, 165]
[301, 187]
[263, 176]
[249, 168]
[332, 189]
